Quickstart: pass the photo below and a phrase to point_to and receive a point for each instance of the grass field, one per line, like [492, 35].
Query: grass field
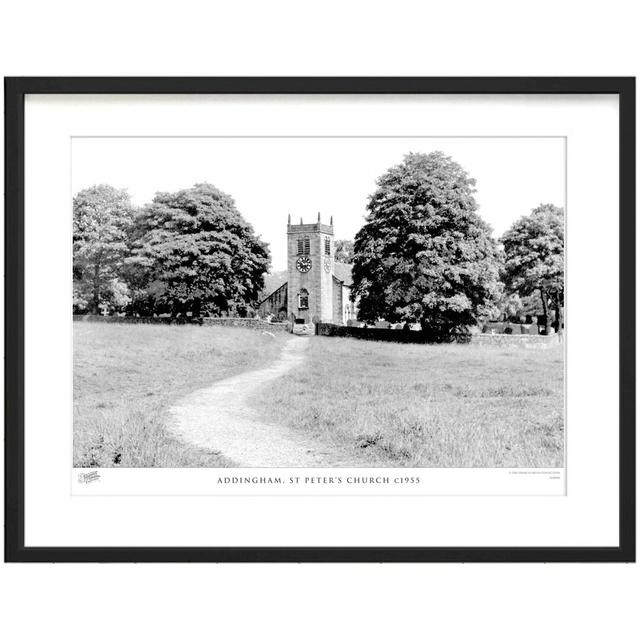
[427, 405]
[126, 376]
[381, 404]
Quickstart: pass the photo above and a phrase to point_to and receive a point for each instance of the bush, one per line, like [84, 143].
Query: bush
[388, 335]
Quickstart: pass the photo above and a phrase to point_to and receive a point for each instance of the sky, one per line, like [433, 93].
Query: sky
[272, 177]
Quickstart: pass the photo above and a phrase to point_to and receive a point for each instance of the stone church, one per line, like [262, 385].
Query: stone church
[318, 288]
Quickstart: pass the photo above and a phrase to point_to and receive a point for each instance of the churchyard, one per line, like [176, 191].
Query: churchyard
[371, 403]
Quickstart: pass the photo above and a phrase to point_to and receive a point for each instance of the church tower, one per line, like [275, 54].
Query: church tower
[310, 263]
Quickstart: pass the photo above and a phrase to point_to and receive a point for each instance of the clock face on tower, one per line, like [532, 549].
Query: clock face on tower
[303, 264]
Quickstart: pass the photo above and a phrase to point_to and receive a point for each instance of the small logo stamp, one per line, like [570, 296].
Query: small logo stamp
[88, 477]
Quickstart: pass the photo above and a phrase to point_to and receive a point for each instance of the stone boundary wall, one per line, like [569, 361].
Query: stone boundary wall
[528, 341]
[247, 323]
[522, 340]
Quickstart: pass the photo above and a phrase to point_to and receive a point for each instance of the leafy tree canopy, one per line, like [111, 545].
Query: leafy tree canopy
[102, 219]
[512, 305]
[194, 252]
[534, 251]
[344, 251]
[534, 255]
[424, 253]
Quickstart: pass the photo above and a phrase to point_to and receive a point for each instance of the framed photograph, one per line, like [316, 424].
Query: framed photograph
[320, 319]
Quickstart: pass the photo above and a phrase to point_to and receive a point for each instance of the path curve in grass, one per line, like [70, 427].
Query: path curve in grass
[220, 418]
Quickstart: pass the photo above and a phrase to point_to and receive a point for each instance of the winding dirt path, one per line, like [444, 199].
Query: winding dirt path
[220, 418]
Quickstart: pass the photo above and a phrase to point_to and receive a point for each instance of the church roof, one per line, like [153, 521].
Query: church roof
[342, 272]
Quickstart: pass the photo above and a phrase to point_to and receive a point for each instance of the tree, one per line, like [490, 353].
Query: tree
[508, 306]
[424, 254]
[193, 252]
[344, 251]
[102, 218]
[534, 258]
[512, 305]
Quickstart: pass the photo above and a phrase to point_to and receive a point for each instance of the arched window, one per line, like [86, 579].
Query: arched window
[303, 299]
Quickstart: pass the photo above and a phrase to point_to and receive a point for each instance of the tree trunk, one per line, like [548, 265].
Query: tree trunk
[559, 317]
[96, 289]
[545, 310]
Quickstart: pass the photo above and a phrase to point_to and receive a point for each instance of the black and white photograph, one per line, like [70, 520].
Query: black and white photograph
[319, 302]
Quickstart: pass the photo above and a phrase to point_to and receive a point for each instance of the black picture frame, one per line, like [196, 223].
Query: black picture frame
[15, 91]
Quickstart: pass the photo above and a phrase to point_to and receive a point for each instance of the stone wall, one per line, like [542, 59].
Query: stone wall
[247, 323]
[337, 300]
[132, 319]
[398, 335]
[527, 341]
